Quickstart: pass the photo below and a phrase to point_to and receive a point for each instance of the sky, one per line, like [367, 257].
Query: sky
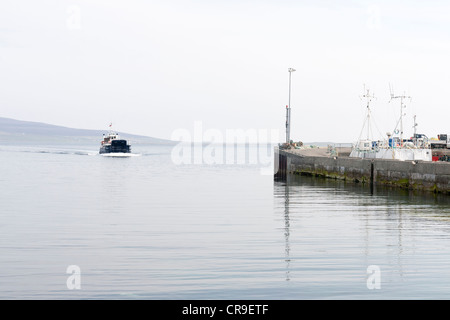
[157, 67]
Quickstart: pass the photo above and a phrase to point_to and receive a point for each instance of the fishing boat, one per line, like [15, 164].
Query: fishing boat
[394, 146]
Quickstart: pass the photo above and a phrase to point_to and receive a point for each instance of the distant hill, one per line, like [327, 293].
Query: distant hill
[13, 130]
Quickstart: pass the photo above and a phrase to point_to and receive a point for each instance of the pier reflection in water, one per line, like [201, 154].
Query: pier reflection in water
[286, 228]
[334, 231]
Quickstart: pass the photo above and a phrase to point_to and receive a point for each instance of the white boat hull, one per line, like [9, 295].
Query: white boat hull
[394, 154]
[119, 155]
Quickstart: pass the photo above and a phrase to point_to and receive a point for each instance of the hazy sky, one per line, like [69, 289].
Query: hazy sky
[152, 67]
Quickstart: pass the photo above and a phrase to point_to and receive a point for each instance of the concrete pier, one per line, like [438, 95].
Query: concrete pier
[418, 175]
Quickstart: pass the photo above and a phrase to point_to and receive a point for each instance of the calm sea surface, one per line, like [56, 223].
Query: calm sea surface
[146, 228]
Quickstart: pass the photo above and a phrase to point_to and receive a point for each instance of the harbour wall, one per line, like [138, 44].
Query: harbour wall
[426, 176]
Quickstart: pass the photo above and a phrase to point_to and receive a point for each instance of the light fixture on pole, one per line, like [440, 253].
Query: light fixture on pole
[288, 110]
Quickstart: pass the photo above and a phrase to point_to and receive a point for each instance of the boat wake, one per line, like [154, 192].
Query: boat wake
[78, 153]
[58, 151]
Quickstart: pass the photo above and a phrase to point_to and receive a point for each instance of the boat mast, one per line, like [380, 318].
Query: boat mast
[369, 98]
[402, 106]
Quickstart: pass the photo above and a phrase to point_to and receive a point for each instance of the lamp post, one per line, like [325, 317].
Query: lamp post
[288, 110]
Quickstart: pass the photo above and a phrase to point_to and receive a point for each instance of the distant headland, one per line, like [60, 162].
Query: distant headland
[18, 130]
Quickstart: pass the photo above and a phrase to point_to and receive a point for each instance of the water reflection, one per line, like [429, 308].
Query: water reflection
[387, 194]
[346, 227]
[286, 229]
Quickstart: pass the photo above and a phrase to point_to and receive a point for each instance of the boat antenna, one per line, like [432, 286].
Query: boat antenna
[415, 131]
[402, 106]
[415, 126]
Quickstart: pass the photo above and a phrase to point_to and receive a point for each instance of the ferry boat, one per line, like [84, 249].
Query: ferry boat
[113, 145]
[395, 146]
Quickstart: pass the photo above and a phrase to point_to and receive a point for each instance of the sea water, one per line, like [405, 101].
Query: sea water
[76, 225]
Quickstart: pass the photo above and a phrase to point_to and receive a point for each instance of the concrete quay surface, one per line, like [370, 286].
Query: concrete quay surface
[418, 175]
